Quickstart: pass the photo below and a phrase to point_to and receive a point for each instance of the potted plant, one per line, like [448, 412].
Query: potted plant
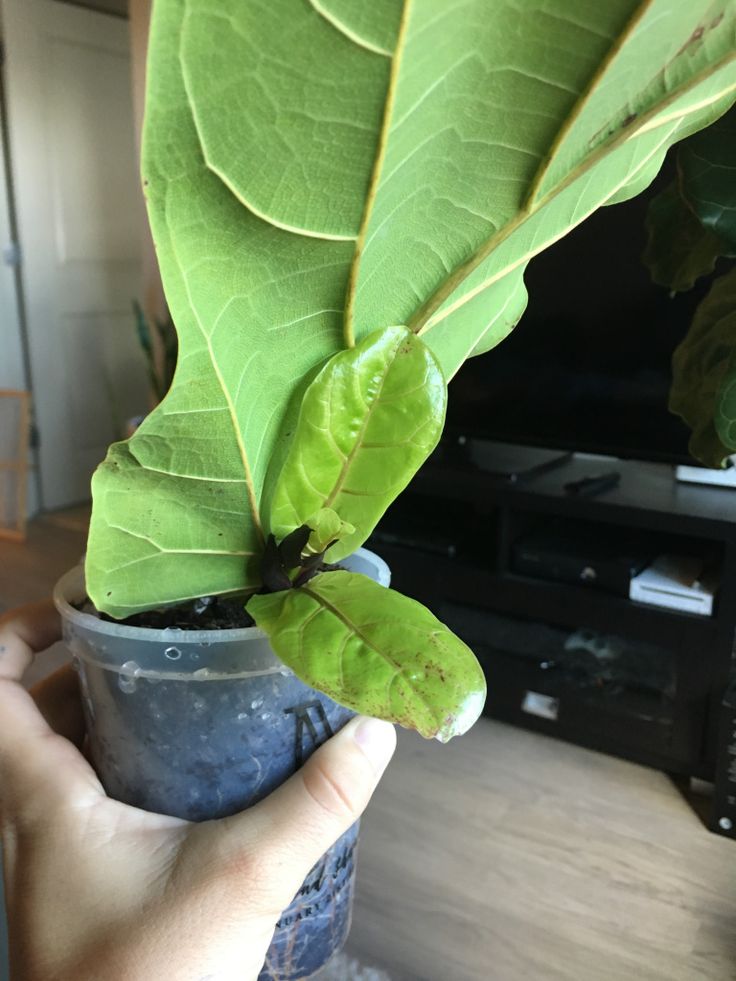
[691, 229]
[344, 197]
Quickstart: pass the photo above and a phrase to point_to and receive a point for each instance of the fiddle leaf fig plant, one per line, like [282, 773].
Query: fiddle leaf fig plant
[344, 197]
[691, 225]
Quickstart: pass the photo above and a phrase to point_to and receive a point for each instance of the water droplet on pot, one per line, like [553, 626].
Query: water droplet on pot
[205, 643]
[200, 605]
[284, 671]
[266, 715]
[242, 715]
[128, 677]
[256, 703]
[198, 704]
[201, 673]
[173, 653]
[194, 656]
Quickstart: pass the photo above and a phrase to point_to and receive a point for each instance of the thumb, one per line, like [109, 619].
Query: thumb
[293, 827]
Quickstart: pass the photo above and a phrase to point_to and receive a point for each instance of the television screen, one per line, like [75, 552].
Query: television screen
[588, 367]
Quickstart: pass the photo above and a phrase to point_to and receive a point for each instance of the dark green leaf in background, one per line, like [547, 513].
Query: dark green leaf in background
[679, 248]
[704, 369]
[707, 174]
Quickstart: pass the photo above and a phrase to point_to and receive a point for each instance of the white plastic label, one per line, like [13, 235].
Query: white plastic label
[544, 706]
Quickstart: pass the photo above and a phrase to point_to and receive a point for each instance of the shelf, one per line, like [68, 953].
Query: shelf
[639, 707]
[647, 497]
[459, 581]
[568, 605]
[483, 514]
[602, 723]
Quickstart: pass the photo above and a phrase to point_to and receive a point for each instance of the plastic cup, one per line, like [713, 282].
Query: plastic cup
[203, 724]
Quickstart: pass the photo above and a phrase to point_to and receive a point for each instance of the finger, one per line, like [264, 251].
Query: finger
[36, 766]
[25, 632]
[59, 702]
[294, 826]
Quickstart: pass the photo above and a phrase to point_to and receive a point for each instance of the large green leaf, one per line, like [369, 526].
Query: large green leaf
[538, 113]
[400, 161]
[368, 421]
[375, 651]
[679, 248]
[704, 380]
[707, 173]
[255, 309]
[499, 128]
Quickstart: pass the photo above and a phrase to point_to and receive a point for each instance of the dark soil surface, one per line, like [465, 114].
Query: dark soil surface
[209, 613]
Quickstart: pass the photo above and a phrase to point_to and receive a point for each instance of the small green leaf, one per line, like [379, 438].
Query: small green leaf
[707, 165]
[327, 526]
[679, 248]
[368, 421]
[375, 651]
[704, 370]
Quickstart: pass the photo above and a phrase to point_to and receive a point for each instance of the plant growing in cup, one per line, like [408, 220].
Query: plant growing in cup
[344, 198]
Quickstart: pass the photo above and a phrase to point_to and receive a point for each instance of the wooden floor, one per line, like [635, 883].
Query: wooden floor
[506, 856]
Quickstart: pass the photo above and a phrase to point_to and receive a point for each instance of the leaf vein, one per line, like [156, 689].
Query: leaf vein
[343, 29]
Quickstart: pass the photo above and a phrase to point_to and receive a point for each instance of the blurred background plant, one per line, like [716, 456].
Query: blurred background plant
[691, 230]
[160, 349]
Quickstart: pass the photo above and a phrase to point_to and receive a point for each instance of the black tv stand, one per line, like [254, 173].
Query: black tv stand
[505, 461]
[449, 540]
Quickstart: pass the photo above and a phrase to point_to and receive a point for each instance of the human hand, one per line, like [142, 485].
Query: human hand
[97, 890]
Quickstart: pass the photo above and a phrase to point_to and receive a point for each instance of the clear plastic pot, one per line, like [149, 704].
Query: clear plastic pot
[202, 724]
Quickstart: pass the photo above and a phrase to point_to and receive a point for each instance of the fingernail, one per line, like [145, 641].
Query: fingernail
[377, 740]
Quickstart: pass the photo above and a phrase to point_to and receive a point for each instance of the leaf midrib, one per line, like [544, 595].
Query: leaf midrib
[250, 487]
[350, 457]
[381, 147]
[350, 626]
[586, 95]
[419, 320]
